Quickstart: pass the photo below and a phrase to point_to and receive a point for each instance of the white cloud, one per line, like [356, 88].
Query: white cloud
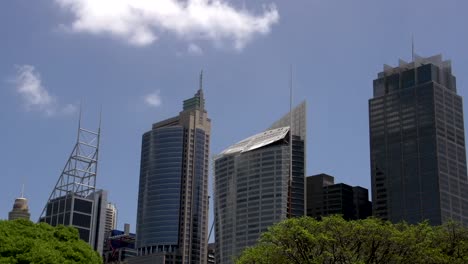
[28, 85]
[139, 22]
[69, 109]
[193, 49]
[153, 99]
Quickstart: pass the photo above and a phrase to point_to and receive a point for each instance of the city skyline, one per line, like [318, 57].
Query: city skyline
[120, 76]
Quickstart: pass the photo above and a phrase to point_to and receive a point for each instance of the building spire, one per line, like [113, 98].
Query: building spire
[201, 80]
[412, 47]
[22, 191]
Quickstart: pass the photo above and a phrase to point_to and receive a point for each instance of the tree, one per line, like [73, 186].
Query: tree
[22, 241]
[334, 240]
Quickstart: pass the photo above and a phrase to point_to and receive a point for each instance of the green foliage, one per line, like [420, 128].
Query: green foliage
[22, 241]
[334, 240]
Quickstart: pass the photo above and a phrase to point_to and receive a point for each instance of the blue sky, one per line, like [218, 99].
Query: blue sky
[140, 63]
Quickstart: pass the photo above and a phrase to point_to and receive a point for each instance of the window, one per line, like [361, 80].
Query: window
[407, 79]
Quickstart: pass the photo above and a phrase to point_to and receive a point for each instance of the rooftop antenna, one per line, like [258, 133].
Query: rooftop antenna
[100, 119]
[22, 191]
[412, 47]
[79, 119]
[201, 80]
[290, 114]
[290, 136]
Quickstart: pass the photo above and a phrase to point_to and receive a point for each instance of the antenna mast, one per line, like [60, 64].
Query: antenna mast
[201, 80]
[290, 118]
[290, 139]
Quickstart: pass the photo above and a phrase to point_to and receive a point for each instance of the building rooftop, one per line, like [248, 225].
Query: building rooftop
[418, 61]
[21, 204]
[257, 141]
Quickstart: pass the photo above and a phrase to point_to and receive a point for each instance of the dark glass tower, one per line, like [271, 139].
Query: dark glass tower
[172, 217]
[417, 144]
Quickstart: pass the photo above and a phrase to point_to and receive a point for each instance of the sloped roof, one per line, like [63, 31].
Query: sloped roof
[257, 141]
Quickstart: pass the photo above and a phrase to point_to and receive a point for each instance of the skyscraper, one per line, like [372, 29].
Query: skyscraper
[172, 217]
[110, 223]
[75, 201]
[417, 144]
[111, 218]
[255, 185]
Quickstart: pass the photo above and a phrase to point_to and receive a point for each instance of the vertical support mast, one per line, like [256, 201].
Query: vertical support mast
[201, 80]
[290, 118]
[290, 139]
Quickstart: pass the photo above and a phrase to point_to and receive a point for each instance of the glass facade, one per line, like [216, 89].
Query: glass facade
[297, 201]
[198, 221]
[84, 213]
[418, 157]
[159, 190]
[172, 217]
[251, 194]
[258, 182]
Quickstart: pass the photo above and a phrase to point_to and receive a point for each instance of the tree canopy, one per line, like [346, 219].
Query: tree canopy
[334, 240]
[22, 241]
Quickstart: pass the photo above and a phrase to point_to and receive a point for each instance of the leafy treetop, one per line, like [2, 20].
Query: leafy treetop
[334, 240]
[22, 241]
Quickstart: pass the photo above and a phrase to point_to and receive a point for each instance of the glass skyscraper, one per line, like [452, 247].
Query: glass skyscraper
[417, 144]
[172, 217]
[255, 186]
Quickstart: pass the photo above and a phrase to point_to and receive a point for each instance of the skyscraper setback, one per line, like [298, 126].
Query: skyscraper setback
[417, 144]
[256, 186]
[172, 217]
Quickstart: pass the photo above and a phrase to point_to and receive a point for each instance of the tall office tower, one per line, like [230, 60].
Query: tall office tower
[111, 218]
[417, 144]
[172, 217]
[324, 198]
[75, 201]
[20, 209]
[255, 186]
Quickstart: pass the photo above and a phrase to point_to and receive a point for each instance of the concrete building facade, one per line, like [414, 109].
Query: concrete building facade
[111, 218]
